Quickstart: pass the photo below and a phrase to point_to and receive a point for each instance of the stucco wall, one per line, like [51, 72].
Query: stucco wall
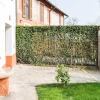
[36, 11]
[7, 30]
[36, 15]
[54, 18]
[46, 15]
[62, 20]
[2, 44]
[2, 32]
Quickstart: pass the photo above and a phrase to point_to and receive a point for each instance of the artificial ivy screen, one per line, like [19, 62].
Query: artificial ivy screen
[74, 45]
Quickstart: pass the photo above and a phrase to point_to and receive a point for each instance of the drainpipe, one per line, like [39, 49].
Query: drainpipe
[50, 17]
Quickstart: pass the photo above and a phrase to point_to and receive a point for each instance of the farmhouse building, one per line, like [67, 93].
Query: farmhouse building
[38, 12]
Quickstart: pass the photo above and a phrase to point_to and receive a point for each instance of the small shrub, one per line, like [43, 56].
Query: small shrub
[62, 74]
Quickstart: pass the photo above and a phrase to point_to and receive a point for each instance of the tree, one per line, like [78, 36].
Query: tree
[71, 21]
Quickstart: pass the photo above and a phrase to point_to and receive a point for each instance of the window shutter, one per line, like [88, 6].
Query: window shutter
[23, 8]
[30, 9]
[41, 13]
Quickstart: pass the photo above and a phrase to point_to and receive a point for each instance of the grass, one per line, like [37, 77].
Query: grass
[83, 91]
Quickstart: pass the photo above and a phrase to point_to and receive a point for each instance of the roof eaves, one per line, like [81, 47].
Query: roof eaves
[54, 7]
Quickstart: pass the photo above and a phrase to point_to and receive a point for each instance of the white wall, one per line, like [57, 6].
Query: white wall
[7, 20]
[2, 44]
[2, 34]
[12, 44]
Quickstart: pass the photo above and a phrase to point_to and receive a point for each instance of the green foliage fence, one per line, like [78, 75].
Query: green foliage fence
[74, 45]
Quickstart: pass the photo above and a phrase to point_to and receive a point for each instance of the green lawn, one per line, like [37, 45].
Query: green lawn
[84, 91]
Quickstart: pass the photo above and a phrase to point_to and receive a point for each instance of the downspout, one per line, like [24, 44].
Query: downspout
[50, 17]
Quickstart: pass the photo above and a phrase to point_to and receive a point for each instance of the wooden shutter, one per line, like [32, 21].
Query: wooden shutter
[41, 12]
[30, 9]
[23, 8]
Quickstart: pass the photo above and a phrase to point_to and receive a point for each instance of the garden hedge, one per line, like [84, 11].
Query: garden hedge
[57, 44]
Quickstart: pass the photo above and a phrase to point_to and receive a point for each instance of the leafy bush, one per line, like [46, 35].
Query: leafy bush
[62, 74]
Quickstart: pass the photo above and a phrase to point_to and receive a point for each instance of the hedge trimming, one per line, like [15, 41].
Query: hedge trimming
[57, 44]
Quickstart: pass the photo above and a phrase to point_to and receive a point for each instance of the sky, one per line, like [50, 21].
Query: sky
[85, 11]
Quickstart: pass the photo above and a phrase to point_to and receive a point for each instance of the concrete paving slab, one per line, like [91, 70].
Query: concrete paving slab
[26, 77]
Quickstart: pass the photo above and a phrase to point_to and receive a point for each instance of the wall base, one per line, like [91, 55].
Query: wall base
[4, 87]
[10, 60]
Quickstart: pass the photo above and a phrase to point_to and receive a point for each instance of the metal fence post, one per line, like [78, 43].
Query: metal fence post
[99, 48]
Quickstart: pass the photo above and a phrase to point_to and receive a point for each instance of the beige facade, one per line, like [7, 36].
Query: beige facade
[42, 12]
[55, 18]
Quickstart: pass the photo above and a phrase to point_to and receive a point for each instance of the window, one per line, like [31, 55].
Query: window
[41, 13]
[27, 9]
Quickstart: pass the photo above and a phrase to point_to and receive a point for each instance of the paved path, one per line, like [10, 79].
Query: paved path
[26, 77]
